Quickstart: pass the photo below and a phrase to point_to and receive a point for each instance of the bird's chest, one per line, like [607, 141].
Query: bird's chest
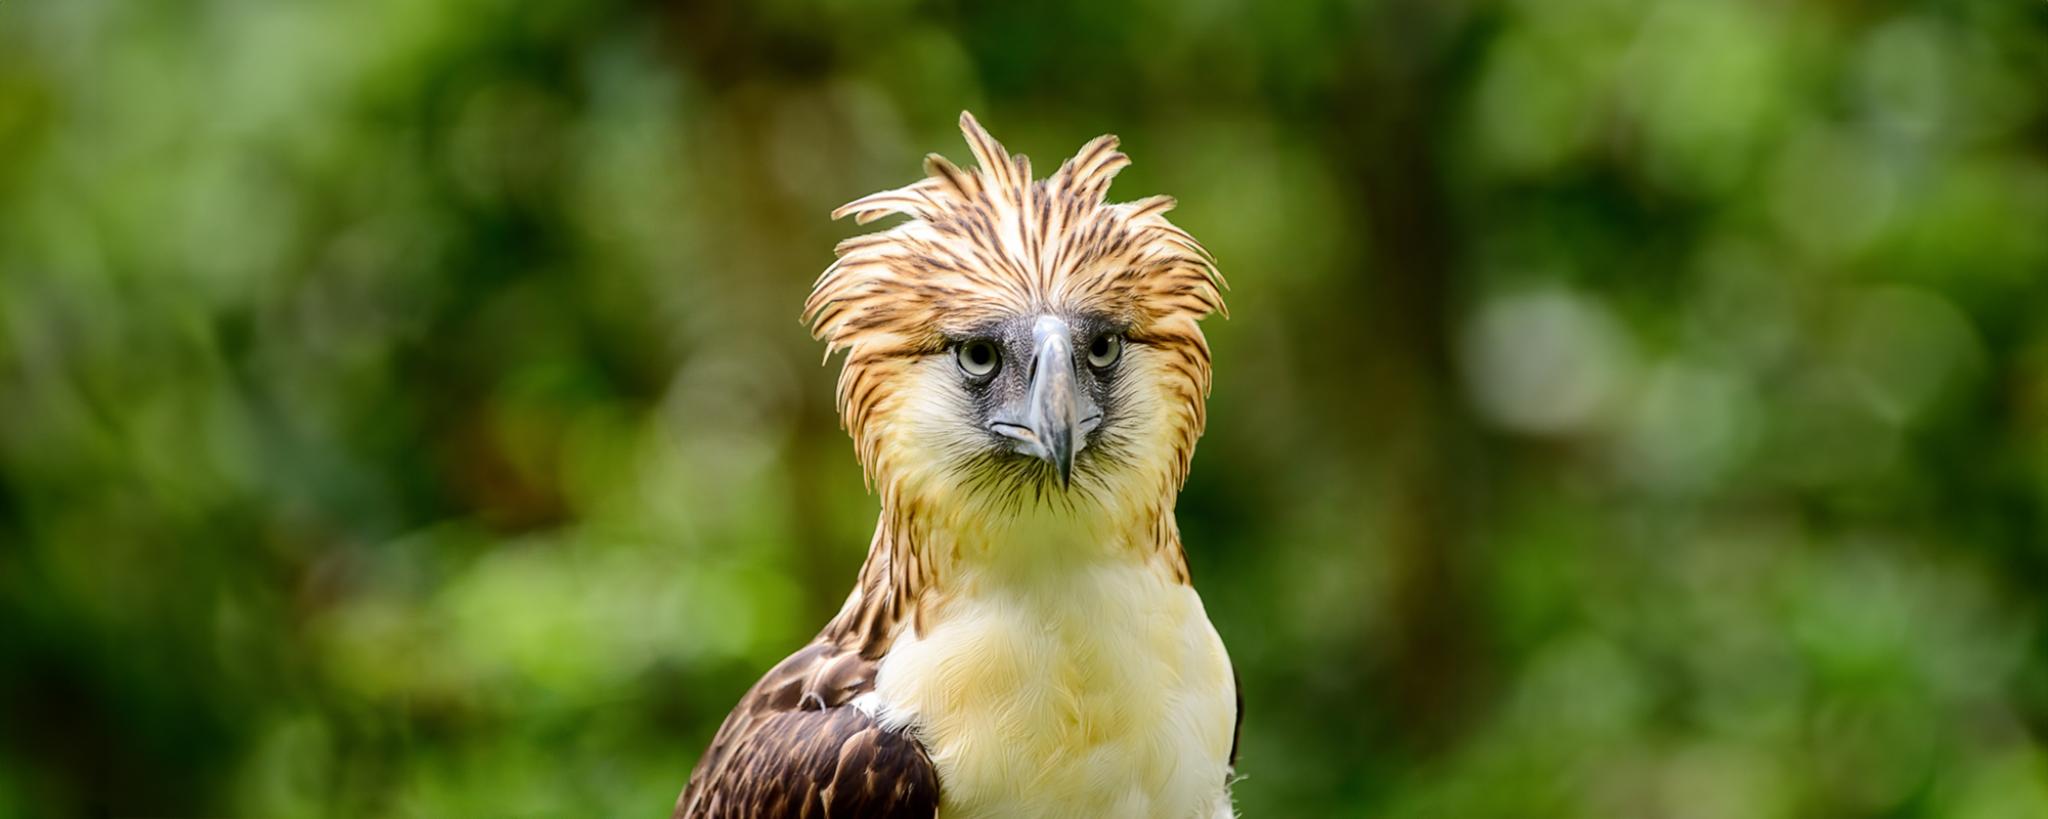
[1107, 693]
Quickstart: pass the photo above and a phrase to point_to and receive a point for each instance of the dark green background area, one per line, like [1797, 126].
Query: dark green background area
[1627, 410]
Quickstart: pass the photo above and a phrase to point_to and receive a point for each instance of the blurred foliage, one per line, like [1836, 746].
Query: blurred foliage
[1629, 409]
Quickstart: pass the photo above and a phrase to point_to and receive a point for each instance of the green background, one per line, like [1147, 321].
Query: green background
[1628, 409]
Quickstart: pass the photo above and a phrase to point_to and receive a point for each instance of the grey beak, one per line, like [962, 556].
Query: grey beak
[1054, 408]
[1054, 421]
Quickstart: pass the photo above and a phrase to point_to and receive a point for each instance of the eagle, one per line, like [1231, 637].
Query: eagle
[1024, 384]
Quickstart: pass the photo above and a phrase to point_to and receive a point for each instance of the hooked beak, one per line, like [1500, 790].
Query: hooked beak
[1056, 417]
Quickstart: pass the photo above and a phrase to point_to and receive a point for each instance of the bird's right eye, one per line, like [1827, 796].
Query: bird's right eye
[979, 359]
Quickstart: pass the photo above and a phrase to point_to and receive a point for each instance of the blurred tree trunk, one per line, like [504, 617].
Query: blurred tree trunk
[1387, 134]
[725, 48]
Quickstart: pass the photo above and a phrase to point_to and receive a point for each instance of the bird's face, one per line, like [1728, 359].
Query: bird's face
[1020, 343]
[1036, 407]
[1048, 403]
[1030, 409]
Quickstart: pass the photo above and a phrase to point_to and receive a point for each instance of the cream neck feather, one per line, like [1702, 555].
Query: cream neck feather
[1062, 668]
[933, 546]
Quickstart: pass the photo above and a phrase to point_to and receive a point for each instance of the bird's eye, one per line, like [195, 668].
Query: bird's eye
[1105, 350]
[979, 359]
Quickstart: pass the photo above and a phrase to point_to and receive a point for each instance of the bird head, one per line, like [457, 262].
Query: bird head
[1020, 341]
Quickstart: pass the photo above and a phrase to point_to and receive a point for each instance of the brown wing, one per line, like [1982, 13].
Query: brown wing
[795, 747]
[1237, 725]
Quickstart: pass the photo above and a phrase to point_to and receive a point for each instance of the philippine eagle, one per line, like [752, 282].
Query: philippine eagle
[1024, 385]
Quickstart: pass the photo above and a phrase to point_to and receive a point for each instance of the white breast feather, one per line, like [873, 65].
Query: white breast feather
[1101, 690]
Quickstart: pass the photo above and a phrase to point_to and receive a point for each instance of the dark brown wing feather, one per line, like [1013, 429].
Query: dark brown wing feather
[795, 747]
[1236, 726]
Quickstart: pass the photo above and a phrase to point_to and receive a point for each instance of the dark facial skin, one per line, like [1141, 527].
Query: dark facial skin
[1043, 386]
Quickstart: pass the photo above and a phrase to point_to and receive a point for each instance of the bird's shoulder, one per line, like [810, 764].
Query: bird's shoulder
[796, 746]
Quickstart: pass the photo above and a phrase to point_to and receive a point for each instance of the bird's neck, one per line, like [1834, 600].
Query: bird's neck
[923, 554]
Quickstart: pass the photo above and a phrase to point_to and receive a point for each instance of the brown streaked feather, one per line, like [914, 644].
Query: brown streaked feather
[992, 241]
[796, 747]
[981, 245]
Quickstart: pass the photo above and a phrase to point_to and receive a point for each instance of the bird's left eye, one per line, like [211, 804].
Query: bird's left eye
[1105, 350]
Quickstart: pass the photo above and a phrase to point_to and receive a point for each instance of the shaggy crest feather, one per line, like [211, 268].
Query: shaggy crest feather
[992, 241]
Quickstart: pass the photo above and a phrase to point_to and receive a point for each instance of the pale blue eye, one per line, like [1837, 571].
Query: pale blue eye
[979, 358]
[1105, 350]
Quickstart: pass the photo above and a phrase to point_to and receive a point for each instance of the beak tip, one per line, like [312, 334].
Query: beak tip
[1063, 457]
